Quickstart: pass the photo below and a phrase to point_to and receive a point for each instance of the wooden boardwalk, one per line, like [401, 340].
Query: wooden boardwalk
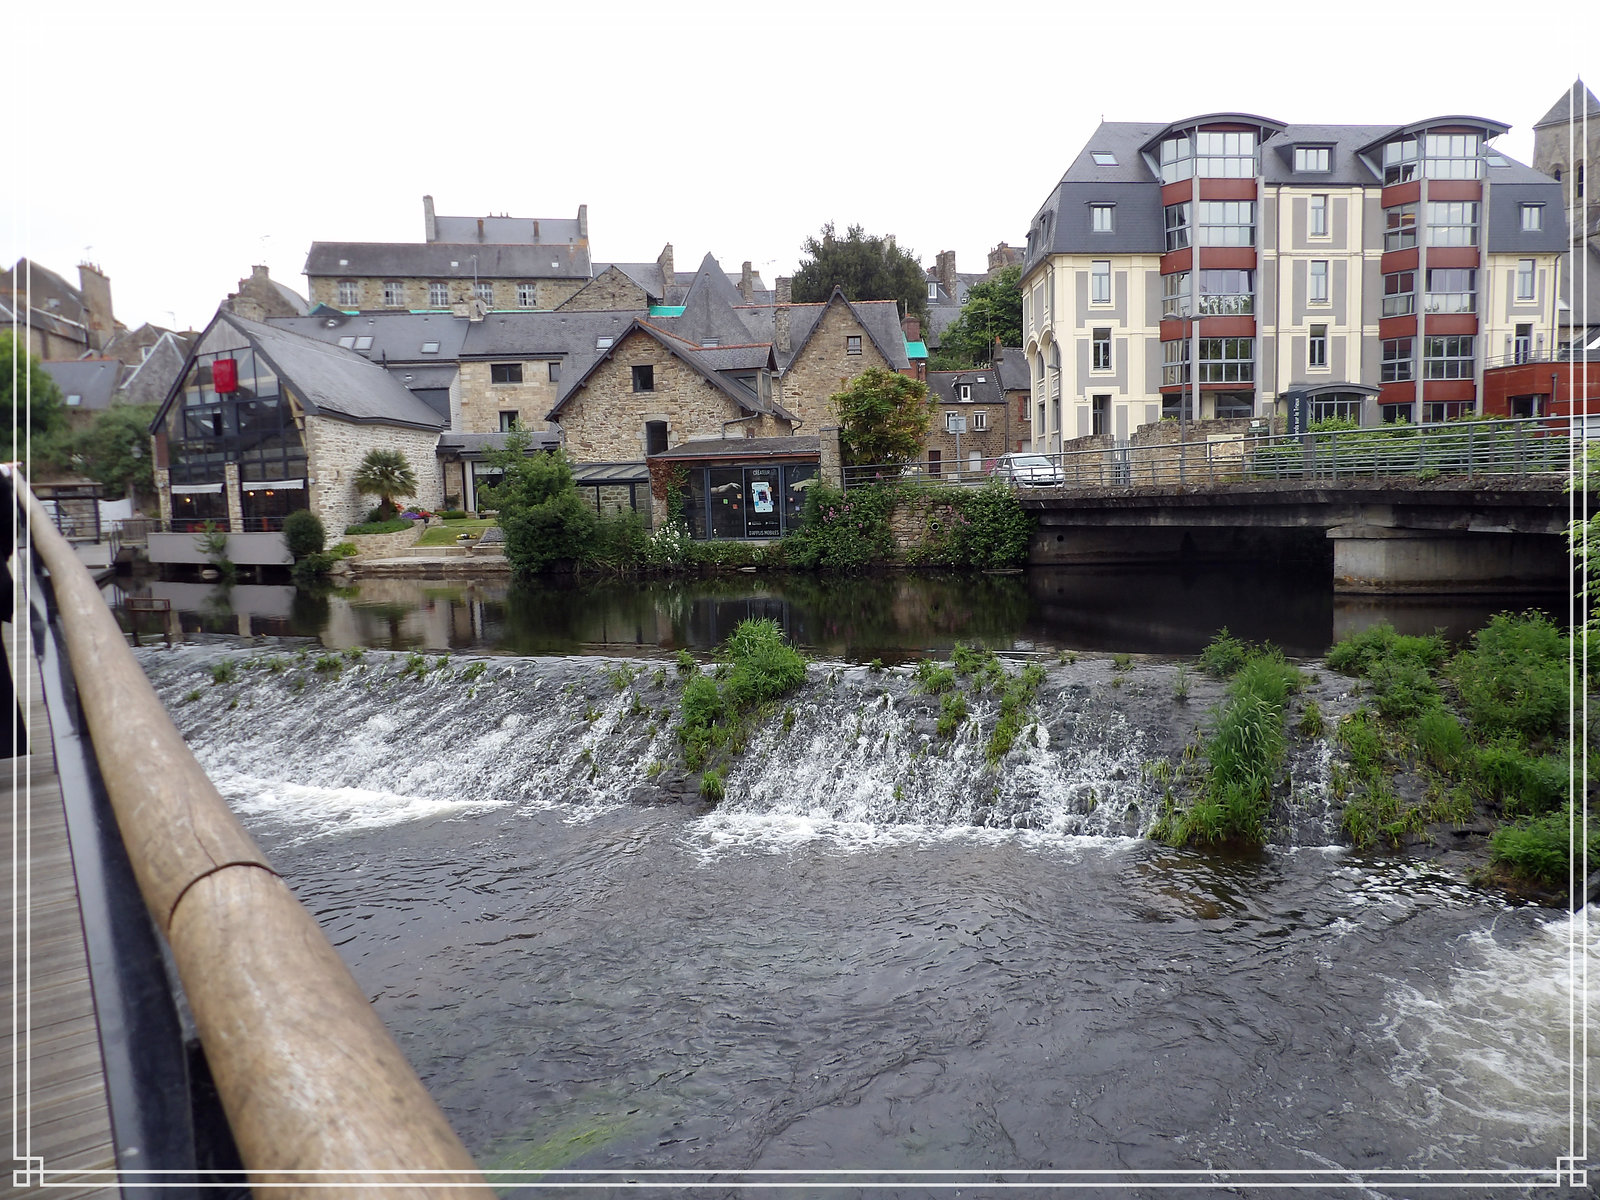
[58, 1120]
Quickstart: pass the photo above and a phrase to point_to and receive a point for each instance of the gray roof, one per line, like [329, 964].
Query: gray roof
[1345, 166]
[708, 309]
[335, 382]
[476, 445]
[445, 260]
[502, 231]
[397, 337]
[1589, 302]
[1504, 233]
[880, 319]
[646, 275]
[1561, 111]
[94, 380]
[290, 297]
[984, 382]
[1012, 365]
[419, 377]
[745, 447]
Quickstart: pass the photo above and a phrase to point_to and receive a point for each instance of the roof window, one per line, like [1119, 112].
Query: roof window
[430, 347]
[603, 342]
[1103, 158]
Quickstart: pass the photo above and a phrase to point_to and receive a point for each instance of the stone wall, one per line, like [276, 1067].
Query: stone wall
[334, 449]
[609, 291]
[825, 366]
[548, 293]
[482, 402]
[990, 443]
[381, 545]
[604, 421]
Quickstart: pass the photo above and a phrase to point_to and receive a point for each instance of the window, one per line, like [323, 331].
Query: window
[1175, 295]
[933, 289]
[1227, 293]
[348, 341]
[1177, 160]
[1311, 158]
[484, 292]
[655, 437]
[1225, 155]
[508, 421]
[1400, 161]
[1524, 279]
[1447, 357]
[1227, 222]
[852, 344]
[1451, 290]
[555, 372]
[1451, 156]
[980, 420]
[1319, 281]
[952, 422]
[603, 342]
[964, 393]
[505, 372]
[1401, 233]
[1318, 210]
[1100, 217]
[1317, 347]
[1177, 219]
[1102, 350]
[74, 399]
[1399, 294]
[525, 293]
[430, 347]
[364, 342]
[1227, 360]
[438, 295]
[1532, 217]
[1336, 407]
[1453, 223]
[1396, 366]
[644, 378]
[1522, 345]
[394, 294]
[1175, 362]
[348, 296]
[1446, 410]
[1103, 158]
[1100, 281]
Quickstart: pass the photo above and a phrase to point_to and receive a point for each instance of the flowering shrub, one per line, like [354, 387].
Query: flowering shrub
[842, 532]
[984, 527]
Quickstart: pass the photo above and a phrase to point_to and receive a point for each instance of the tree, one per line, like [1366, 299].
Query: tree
[546, 522]
[992, 313]
[386, 475]
[30, 398]
[884, 417]
[864, 267]
[114, 450]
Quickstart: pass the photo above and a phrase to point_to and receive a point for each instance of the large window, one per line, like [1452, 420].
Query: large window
[747, 502]
[1399, 294]
[1319, 281]
[1401, 233]
[1100, 282]
[1317, 348]
[349, 295]
[1177, 159]
[1447, 357]
[525, 295]
[1101, 360]
[1225, 155]
[1227, 222]
[1318, 222]
[1451, 290]
[484, 292]
[1311, 158]
[1452, 156]
[1227, 293]
[1525, 273]
[505, 372]
[250, 425]
[1453, 223]
[1397, 360]
[394, 294]
[1227, 360]
[1177, 221]
[1400, 158]
[1175, 294]
[1102, 217]
[438, 295]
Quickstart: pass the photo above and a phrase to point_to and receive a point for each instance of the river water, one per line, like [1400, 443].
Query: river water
[875, 955]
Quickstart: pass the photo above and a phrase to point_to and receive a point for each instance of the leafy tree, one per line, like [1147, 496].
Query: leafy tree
[386, 475]
[992, 313]
[546, 522]
[30, 396]
[303, 533]
[884, 417]
[114, 450]
[864, 266]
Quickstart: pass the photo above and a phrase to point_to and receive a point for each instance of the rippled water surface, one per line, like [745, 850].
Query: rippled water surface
[791, 984]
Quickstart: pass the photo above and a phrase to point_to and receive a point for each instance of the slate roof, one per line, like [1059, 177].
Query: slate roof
[1504, 234]
[94, 379]
[1561, 111]
[1588, 308]
[879, 318]
[709, 309]
[332, 381]
[501, 231]
[397, 337]
[446, 260]
[1012, 366]
[476, 445]
[984, 382]
[745, 447]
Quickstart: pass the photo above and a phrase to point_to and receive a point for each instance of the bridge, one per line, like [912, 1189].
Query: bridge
[179, 1023]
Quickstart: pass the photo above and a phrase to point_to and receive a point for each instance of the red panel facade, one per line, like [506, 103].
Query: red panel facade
[1397, 393]
[1454, 189]
[1176, 260]
[1398, 260]
[1452, 256]
[1177, 193]
[1227, 189]
[1219, 258]
[1441, 323]
[1401, 193]
[1395, 327]
[1441, 390]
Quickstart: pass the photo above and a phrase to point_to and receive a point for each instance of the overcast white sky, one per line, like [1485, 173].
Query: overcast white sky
[177, 144]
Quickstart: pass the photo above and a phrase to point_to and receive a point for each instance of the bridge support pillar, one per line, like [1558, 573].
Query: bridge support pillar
[1400, 561]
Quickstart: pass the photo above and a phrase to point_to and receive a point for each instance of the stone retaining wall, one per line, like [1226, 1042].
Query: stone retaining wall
[382, 545]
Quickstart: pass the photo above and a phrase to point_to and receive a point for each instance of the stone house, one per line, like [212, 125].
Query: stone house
[971, 423]
[63, 321]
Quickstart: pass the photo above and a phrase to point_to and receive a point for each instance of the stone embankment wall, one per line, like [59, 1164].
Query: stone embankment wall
[381, 545]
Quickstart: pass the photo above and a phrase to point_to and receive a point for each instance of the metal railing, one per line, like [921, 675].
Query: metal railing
[318, 1097]
[1471, 448]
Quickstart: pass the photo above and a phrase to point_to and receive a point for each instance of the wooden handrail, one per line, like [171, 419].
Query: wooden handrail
[320, 1100]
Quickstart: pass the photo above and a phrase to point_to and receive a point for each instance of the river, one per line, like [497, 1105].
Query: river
[874, 955]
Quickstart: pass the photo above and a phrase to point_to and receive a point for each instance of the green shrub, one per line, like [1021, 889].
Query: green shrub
[1539, 850]
[1016, 701]
[1525, 784]
[952, 712]
[933, 679]
[983, 528]
[1401, 688]
[394, 526]
[686, 663]
[328, 664]
[1312, 724]
[700, 711]
[712, 786]
[224, 672]
[303, 533]
[452, 514]
[1440, 739]
[1359, 653]
[765, 665]
[1514, 678]
[1224, 655]
[843, 533]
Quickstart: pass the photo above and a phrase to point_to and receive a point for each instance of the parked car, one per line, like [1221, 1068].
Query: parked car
[1028, 470]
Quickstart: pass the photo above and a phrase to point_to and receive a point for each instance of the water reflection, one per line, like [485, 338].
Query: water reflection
[1152, 611]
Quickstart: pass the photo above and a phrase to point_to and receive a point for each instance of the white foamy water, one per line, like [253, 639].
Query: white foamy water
[313, 811]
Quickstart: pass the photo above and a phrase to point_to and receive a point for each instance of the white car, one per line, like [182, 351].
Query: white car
[1028, 470]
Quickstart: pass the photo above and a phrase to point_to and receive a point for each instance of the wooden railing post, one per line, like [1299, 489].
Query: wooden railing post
[319, 1098]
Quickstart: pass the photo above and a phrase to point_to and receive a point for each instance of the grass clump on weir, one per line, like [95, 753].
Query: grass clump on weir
[758, 667]
[1244, 752]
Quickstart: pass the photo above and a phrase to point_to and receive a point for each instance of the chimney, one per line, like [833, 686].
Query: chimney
[780, 315]
[1001, 257]
[430, 224]
[668, 277]
[96, 289]
[480, 229]
[583, 224]
[945, 269]
[747, 286]
[912, 328]
[258, 272]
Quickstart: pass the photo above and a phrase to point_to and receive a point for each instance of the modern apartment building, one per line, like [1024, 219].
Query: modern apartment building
[1378, 269]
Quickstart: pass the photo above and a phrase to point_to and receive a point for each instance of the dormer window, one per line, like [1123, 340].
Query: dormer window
[966, 393]
[933, 289]
[1312, 158]
[1532, 217]
[1103, 158]
[1102, 217]
[711, 343]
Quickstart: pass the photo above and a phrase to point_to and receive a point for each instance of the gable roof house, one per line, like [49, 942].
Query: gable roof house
[62, 321]
[971, 426]
[263, 421]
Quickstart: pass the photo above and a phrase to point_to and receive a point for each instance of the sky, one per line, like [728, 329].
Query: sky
[176, 145]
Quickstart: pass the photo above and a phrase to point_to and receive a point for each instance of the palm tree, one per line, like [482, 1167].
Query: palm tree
[386, 475]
